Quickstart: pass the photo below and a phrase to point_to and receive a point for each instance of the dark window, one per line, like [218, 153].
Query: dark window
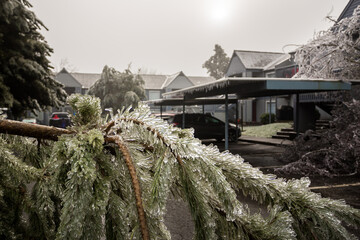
[211, 120]
[69, 90]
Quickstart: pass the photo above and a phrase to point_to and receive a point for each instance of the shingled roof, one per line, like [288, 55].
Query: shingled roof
[257, 60]
[86, 79]
[349, 9]
[152, 81]
[200, 80]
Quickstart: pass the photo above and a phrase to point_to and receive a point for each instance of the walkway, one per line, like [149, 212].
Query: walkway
[267, 141]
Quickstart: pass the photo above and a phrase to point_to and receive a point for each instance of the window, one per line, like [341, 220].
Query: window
[273, 106]
[270, 75]
[154, 95]
[211, 120]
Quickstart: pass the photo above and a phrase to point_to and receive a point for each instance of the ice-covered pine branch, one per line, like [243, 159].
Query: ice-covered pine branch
[113, 180]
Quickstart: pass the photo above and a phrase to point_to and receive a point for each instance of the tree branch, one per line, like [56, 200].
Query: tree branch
[159, 136]
[135, 183]
[31, 130]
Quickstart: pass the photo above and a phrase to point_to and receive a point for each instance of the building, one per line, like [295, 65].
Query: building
[349, 9]
[155, 84]
[253, 64]
[76, 82]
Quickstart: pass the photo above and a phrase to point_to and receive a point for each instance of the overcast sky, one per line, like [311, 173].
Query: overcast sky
[168, 36]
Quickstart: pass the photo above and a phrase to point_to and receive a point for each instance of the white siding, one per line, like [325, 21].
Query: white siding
[235, 67]
[154, 94]
[179, 83]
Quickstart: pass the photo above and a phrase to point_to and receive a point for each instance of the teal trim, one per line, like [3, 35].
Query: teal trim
[306, 85]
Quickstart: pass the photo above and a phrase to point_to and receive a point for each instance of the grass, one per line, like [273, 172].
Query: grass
[265, 131]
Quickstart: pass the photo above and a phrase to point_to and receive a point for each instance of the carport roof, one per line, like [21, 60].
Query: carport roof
[180, 101]
[260, 87]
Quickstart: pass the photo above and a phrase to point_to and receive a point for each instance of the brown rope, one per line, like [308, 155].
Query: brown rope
[135, 183]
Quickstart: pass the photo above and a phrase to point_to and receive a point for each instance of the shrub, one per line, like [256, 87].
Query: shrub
[264, 118]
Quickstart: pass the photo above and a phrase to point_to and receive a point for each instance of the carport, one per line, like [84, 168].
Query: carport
[197, 101]
[253, 87]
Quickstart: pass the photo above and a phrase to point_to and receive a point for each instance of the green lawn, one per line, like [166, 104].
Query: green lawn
[265, 130]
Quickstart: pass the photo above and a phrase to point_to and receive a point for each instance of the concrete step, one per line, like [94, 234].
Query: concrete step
[286, 133]
[287, 129]
[284, 137]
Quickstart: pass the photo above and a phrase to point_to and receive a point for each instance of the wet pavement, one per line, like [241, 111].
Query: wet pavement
[264, 156]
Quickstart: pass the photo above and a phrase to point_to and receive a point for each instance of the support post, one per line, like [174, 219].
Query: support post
[242, 114]
[270, 110]
[226, 121]
[237, 118]
[183, 115]
[161, 112]
[276, 105]
[297, 117]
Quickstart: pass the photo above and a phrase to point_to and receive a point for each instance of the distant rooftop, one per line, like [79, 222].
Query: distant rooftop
[257, 59]
[152, 81]
[86, 79]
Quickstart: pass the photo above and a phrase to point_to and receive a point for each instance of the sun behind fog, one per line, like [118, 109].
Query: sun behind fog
[219, 10]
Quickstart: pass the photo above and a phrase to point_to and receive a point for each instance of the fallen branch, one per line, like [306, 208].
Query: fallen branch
[32, 130]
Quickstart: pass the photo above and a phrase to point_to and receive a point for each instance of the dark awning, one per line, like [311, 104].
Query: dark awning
[180, 101]
[260, 87]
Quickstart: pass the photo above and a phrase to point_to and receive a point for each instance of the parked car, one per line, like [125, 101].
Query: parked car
[166, 116]
[30, 120]
[60, 119]
[206, 126]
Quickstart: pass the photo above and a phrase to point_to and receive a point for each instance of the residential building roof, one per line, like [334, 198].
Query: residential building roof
[200, 80]
[86, 79]
[67, 79]
[152, 81]
[256, 59]
[277, 61]
[349, 9]
[171, 78]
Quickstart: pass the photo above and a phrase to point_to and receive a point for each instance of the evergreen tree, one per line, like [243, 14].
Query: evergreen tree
[113, 180]
[216, 65]
[26, 81]
[118, 89]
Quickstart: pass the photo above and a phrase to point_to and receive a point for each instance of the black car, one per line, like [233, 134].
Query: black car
[60, 119]
[206, 126]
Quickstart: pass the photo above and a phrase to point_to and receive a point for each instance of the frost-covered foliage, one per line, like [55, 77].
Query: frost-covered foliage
[26, 78]
[118, 89]
[114, 182]
[334, 152]
[334, 53]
